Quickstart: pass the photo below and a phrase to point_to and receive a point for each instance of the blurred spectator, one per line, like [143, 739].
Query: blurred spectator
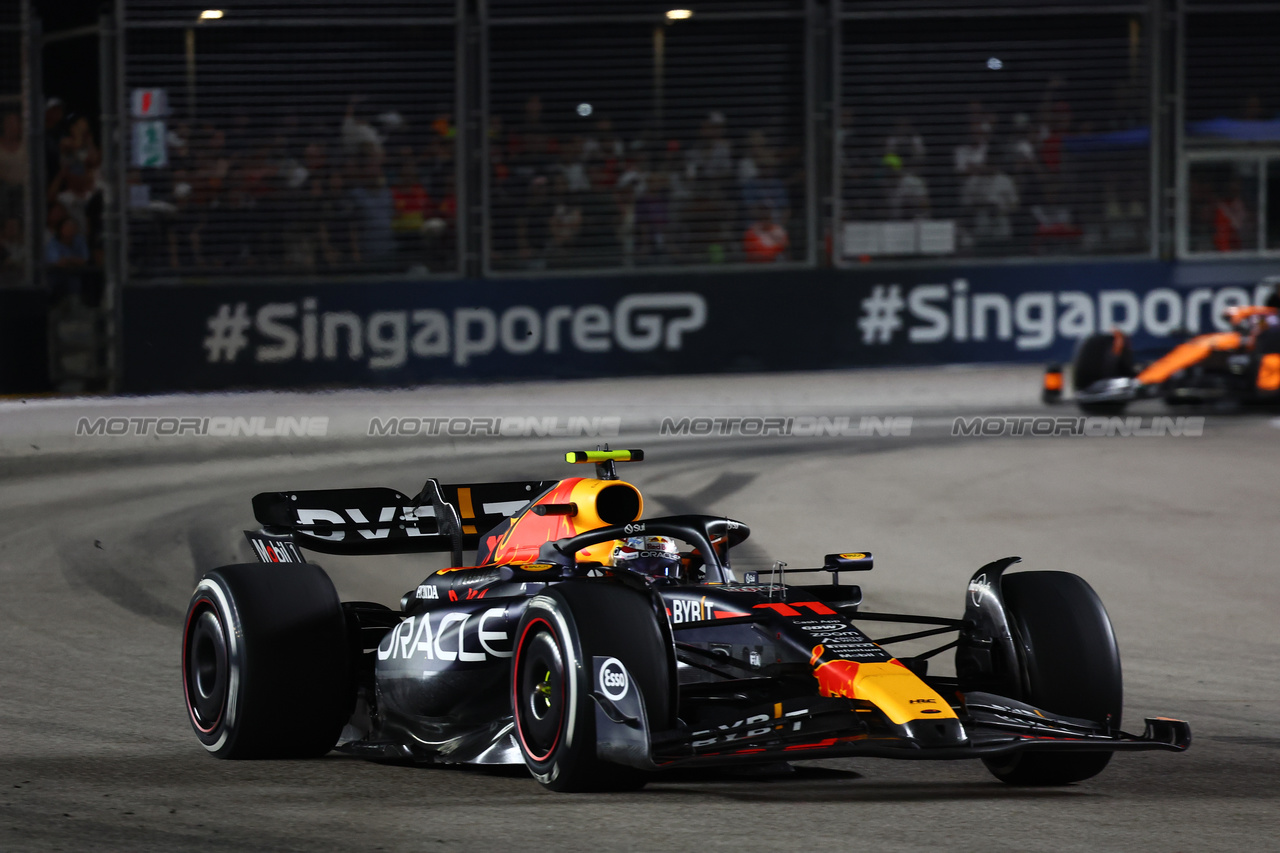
[372, 205]
[78, 153]
[66, 255]
[13, 150]
[565, 224]
[55, 127]
[13, 166]
[301, 209]
[13, 249]
[573, 167]
[709, 167]
[765, 240]
[632, 185]
[969, 155]
[908, 192]
[412, 204]
[54, 218]
[531, 147]
[440, 229]
[336, 228]
[710, 160]
[1231, 219]
[906, 143]
[653, 215]
[436, 163]
[603, 152]
[1055, 124]
[1055, 226]
[1124, 221]
[758, 176]
[989, 199]
[1024, 146]
[359, 136]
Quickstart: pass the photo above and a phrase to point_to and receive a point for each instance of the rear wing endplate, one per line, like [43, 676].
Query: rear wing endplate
[383, 521]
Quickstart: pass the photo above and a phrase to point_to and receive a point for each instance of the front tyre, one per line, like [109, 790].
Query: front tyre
[560, 633]
[1072, 668]
[1099, 357]
[266, 670]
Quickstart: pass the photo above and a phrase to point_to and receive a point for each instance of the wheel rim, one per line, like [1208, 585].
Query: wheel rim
[540, 691]
[205, 667]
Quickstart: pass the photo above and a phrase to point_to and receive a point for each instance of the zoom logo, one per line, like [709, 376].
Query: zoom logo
[614, 682]
[301, 331]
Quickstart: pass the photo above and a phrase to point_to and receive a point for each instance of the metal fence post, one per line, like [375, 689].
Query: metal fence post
[113, 195]
[33, 120]
[1178, 211]
[483, 214]
[814, 115]
[835, 131]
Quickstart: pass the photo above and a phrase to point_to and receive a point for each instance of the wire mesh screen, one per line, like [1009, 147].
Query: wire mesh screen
[977, 8]
[291, 12]
[1004, 136]
[15, 162]
[651, 10]
[1232, 74]
[1233, 77]
[297, 149]
[635, 141]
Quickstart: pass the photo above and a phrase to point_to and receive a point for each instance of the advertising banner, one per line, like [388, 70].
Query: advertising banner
[403, 333]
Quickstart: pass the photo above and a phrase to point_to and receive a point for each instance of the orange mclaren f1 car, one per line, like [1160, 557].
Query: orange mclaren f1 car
[600, 647]
[1241, 365]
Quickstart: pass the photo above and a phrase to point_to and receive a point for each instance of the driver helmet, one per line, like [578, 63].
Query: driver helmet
[656, 556]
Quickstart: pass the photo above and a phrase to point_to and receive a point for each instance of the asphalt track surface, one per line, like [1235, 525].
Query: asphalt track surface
[102, 540]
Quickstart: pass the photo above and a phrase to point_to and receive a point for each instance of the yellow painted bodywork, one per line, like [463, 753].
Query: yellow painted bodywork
[890, 686]
[527, 533]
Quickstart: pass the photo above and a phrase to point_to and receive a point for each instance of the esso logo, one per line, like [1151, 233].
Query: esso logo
[614, 682]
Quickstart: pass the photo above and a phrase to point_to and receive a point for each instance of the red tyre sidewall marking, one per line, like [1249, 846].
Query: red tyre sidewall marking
[515, 698]
[186, 636]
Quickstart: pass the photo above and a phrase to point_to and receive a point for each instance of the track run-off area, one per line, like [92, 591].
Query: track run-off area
[104, 536]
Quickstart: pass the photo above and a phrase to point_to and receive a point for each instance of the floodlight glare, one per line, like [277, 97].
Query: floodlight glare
[211, 14]
[679, 14]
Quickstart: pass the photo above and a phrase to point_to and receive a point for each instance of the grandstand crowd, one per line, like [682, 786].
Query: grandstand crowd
[368, 193]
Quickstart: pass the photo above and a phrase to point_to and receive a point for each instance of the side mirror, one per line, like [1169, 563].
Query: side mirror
[858, 561]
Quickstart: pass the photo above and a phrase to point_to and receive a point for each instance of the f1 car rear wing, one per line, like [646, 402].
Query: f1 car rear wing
[384, 521]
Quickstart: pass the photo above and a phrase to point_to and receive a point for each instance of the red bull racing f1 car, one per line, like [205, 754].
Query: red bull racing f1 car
[600, 648]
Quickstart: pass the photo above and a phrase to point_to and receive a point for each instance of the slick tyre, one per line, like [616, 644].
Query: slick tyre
[266, 669]
[1072, 667]
[561, 631]
[1101, 357]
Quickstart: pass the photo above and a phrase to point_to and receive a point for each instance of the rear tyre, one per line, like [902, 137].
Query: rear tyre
[266, 668]
[1101, 357]
[1266, 351]
[1072, 668]
[561, 630]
